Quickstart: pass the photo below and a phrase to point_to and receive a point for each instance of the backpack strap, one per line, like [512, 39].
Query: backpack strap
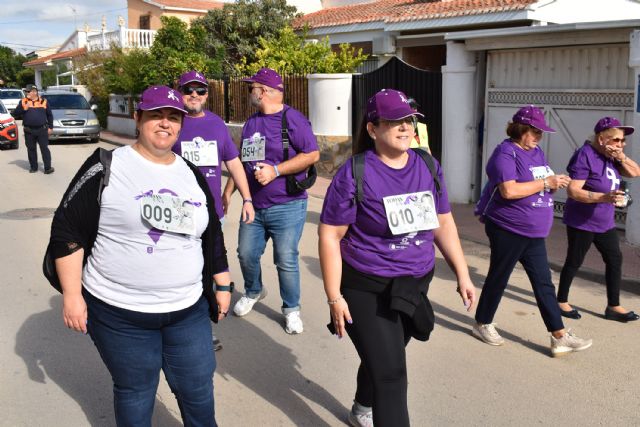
[357, 171]
[431, 165]
[105, 160]
[284, 131]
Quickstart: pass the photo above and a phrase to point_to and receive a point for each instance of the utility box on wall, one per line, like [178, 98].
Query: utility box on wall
[330, 104]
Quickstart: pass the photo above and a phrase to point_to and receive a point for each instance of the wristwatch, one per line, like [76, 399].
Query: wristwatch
[225, 288]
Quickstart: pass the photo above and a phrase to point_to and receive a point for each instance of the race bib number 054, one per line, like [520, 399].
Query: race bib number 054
[169, 213]
[407, 213]
[253, 149]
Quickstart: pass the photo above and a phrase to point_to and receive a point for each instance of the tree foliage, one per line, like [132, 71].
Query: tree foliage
[291, 53]
[233, 31]
[10, 66]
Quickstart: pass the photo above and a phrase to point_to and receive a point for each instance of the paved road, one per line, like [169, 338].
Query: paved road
[53, 377]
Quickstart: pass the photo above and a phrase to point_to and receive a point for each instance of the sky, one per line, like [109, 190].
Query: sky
[28, 25]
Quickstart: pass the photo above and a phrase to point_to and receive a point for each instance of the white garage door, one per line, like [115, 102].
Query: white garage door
[575, 86]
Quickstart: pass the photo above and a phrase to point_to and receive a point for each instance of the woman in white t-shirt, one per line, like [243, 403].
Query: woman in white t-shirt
[136, 268]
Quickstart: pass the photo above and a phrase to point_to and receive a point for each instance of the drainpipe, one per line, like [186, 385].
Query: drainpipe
[633, 148]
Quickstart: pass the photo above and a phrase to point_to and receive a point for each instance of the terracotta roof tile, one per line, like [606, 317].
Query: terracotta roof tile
[60, 55]
[191, 4]
[406, 10]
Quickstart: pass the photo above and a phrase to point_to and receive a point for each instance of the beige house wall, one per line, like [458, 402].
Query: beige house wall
[138, 8]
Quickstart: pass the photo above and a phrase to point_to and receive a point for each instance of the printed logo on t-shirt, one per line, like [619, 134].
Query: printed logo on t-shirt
[540, 203]
[615, 181]
[405, 242]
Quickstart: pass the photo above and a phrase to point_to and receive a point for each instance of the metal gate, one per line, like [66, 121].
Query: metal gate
[424, 86]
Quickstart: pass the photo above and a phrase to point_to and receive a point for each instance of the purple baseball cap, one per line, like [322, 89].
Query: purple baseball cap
[192, 76]
[156, 97]
[532, 116]
[389, 104]
[611, 122]
[267, 77]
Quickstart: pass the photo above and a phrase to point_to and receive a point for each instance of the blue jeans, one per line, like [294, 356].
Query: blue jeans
[282, 223]
[135, 346]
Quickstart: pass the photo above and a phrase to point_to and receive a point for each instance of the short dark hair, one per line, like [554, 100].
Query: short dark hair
[516, 130]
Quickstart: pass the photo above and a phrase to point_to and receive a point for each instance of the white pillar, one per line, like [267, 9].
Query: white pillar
[38, 78]
[633, 149]
[459, 147]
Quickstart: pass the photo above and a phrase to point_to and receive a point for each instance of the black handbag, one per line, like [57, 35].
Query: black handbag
[294, 186]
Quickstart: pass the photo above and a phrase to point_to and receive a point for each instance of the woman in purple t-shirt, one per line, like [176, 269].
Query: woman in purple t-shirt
[377, 255]
[518, 218]
[595, 171]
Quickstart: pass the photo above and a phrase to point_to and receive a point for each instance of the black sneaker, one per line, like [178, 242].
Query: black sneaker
[33, 170]
[48, 171]
[217, 345]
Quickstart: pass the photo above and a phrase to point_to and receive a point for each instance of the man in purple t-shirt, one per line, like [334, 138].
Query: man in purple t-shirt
[205, 141]
[279, 214]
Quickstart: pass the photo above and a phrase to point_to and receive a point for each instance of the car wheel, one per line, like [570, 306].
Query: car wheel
[95, 140]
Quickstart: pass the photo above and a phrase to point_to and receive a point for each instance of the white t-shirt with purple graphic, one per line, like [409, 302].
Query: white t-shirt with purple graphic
[206, 142]
[134, 265]
[370, 245]
[601, 176]
[530, 216]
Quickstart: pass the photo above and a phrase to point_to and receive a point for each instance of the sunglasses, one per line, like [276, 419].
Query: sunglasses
[411, 120]
[198, 90]
[616, 140]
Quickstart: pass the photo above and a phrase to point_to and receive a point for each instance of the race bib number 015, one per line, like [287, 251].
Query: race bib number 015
[169, 213]
[200, 152]
[253, 149]
[407, 213]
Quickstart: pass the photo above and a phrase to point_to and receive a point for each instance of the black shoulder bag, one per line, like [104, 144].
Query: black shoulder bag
[294, 186]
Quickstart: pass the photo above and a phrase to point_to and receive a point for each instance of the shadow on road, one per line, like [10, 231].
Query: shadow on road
[70, 359]
[270, 370]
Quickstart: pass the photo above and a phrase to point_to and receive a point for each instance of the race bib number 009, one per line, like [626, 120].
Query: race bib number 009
[200, 152]
[169, 213]
[253, 149]
[408, 213]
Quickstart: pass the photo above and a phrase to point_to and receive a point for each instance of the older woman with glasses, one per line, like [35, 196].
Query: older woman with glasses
[596, 169]
[518, 217]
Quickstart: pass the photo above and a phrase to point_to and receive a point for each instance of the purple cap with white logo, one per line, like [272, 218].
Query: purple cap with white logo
[156, 97]
[192, 76]
[389, 104]
[532, 116]
[611, 122]
[267, 77]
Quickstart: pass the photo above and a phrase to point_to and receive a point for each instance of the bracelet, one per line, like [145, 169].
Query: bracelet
[333, 301]
[275, 168]
[247, 201]
[226, 288]
[623, 160]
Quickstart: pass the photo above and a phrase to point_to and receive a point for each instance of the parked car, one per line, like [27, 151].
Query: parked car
[73, 118]
[11, 98]
[8, 129]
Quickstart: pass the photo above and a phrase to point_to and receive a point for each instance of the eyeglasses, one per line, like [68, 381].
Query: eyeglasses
[411, 120]
[616, 140]
[198, 90]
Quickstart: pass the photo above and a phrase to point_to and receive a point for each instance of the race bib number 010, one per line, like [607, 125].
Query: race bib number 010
[407, 213]
[200, 152]
[169, 213]
[253, 149]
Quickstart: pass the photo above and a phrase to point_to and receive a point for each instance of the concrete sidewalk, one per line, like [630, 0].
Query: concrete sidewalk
[471, 229]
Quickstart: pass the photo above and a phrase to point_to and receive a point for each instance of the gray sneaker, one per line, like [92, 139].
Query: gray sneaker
[487, 333]
[361, 420]
[568, 343]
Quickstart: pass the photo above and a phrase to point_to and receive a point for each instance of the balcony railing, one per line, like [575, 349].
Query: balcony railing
[124, 38]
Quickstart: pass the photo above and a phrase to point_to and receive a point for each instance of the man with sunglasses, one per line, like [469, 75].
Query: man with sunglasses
[206, 142]
[279, 214]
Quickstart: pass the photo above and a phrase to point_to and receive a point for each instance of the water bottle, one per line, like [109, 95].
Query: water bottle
[627, 197]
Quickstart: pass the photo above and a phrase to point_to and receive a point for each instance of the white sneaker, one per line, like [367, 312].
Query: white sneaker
[362, 420]
[487, 333]
[294, 323]
[568, 343]
[245, 304]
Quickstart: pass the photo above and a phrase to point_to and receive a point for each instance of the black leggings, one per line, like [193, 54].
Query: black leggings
[380, 336]
[608, 245]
